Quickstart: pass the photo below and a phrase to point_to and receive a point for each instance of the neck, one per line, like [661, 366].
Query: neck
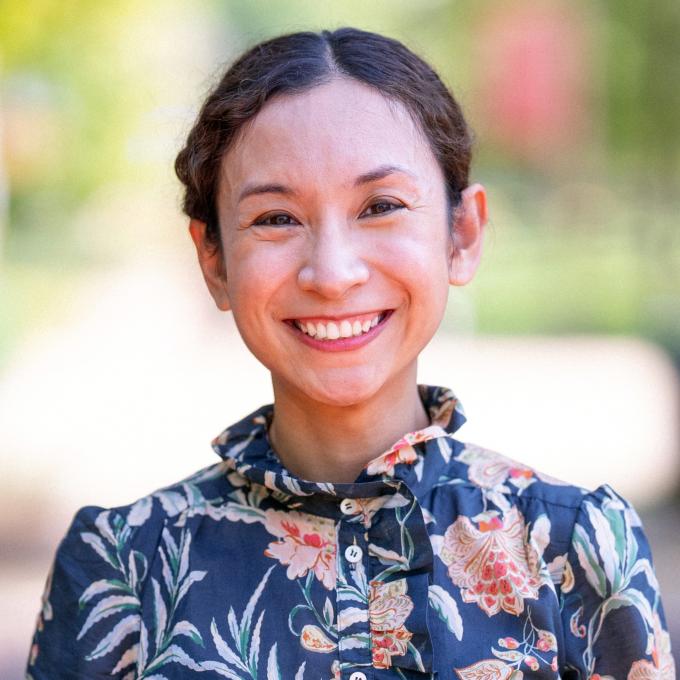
[327, 443]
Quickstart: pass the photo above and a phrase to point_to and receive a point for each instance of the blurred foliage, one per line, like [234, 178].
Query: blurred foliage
[64, 79]
[585, 230]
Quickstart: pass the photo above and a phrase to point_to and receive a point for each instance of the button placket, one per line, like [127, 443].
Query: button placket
[352, 593]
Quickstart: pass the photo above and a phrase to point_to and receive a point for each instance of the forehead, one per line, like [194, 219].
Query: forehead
[332, 131]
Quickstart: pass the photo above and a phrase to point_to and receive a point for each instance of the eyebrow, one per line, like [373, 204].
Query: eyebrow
[255, 189]
[378, 173]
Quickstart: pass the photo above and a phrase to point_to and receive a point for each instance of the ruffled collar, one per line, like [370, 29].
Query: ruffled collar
[245, 448]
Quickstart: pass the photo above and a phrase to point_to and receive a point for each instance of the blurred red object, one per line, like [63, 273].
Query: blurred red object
[535, 75]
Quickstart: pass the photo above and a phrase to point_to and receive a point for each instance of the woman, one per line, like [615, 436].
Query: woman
[346, 533]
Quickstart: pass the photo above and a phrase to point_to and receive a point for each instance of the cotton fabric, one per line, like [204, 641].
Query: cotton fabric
[442, 560]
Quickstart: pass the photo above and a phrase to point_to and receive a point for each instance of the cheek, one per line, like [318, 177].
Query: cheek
[419, 259]
[255, 272]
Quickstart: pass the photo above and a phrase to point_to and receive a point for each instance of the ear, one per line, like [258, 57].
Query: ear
[468, 234]
[211, 261]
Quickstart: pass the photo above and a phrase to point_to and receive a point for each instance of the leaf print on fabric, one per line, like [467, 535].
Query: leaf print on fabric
[120, 595]
[662, 665]
[489, 669]
[177, 580]
[245, 638]
[274, 670]
[492, 563]
[313, 639]
[389, 607]
[447, 609]
[610, 562]
[537, 649]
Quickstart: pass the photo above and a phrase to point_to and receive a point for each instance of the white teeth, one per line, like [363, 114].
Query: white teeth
[334, 330]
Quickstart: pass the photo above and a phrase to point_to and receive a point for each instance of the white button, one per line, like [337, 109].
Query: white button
[357, 676]
[347, 505]
[353, 554]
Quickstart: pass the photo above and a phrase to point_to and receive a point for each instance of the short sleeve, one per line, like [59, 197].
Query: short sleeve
[89, 623]
[613, 620]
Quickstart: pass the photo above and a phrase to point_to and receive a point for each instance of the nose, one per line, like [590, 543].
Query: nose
[333, 264]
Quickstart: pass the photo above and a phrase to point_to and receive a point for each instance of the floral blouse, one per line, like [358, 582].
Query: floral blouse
[442, 560]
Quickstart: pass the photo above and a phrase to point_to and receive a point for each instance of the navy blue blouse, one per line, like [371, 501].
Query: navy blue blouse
[442, 560]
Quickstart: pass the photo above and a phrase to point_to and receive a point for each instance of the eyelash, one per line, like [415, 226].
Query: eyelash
[263, 221]
[393, 204]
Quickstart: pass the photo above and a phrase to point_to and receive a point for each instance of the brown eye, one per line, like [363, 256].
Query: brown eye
[275, 220]
[380, 208]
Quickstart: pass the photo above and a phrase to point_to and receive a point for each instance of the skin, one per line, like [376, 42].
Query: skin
[327, 247]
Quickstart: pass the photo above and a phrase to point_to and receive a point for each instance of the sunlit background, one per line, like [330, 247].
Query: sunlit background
[116, 369]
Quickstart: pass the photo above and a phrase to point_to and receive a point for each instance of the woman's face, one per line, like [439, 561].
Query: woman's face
[334, 223]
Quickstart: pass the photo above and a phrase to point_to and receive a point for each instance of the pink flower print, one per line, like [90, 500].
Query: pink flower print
[402, 451]
[547, 642]
[492, 563]
[306, 542]
[386, 644]
[388, 608]
[532, 662]
[508, 643]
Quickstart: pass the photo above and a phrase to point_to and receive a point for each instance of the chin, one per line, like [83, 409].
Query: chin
[343, 390]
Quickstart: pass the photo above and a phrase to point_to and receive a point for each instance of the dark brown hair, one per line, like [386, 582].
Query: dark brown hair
[297, 62]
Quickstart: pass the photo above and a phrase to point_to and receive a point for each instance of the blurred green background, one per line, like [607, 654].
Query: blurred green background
[575, 106]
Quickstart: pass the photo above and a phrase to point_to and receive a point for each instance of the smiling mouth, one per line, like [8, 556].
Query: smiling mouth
[350, 327]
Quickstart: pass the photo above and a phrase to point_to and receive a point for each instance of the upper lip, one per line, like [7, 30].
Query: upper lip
[338, 317]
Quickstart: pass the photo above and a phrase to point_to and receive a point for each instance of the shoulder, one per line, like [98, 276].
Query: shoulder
[137, 525]
[100, 569]
[503, 483]
[493, 472]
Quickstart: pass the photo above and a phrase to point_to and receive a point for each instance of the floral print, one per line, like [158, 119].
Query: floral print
[307, 543]
[441, 559]
[490, 563]
[402, 451]
[389, 607]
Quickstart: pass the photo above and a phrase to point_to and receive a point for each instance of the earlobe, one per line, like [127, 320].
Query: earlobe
[211, 261]
[468, 236]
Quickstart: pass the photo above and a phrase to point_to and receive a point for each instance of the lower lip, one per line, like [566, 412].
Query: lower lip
[341, 344]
